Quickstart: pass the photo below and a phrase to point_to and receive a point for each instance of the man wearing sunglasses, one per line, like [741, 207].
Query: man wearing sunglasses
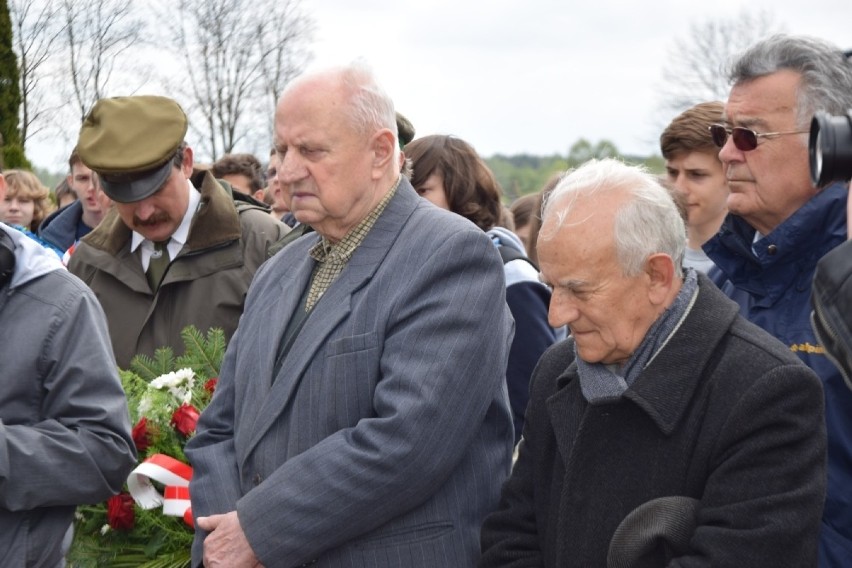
[779, 225]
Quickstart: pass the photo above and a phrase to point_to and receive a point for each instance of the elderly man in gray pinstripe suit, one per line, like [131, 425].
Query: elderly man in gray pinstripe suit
[361, 417]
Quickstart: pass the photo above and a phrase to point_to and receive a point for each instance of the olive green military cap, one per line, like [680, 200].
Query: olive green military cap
[405, 130]
[130, 142]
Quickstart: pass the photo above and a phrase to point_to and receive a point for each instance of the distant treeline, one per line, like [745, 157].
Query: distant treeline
[524, 173]
[518, 174]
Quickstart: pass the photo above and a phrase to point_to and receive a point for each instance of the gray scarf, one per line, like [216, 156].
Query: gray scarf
[600, 384]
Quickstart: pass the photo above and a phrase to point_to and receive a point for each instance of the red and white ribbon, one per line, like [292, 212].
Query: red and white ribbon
[168, 471]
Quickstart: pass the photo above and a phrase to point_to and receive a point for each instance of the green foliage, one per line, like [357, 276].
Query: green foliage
[10, 95]
[655, 164]
[169, 547]
[155, 387]
[48, 178]
[202, 354]
[149, 368]
[523, 173]
[582, 151]
[14, 157]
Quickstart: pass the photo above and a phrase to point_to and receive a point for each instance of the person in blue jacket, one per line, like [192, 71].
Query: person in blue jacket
[65, 226]
[448, 172]
[779, 225]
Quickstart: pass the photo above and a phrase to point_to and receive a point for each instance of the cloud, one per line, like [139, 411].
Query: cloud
[512, 77]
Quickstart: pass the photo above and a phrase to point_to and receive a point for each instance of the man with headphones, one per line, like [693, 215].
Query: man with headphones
[64, 426]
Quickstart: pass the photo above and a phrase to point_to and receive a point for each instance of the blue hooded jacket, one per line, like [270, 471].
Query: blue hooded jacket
[60, 227]
[528, 300]
[771, 281]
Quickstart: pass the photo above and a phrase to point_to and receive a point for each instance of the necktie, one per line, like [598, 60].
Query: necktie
[158, 264]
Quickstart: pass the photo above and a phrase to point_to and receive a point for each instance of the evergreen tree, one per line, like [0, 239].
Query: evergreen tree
[10, 96]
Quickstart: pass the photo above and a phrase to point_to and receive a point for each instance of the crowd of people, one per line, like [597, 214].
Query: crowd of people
[619, 370]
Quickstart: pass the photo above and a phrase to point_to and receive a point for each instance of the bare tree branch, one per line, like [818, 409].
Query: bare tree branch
[35, 38]
[97, 34]
[696, 66]
[238, 58]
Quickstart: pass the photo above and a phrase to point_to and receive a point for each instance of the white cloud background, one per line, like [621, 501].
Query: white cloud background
[534, 76]
[528, 76]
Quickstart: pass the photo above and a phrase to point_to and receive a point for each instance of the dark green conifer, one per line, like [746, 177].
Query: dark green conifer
[10, 97]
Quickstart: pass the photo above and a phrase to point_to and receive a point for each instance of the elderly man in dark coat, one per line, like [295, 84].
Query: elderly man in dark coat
[662, 391]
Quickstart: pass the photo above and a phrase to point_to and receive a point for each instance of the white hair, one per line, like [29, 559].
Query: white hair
[371, 108]
[647, 223]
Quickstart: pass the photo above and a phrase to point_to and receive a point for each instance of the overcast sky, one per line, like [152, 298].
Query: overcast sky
[526, 76]
[535, 75]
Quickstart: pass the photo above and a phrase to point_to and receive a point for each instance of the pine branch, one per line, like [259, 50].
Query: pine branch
[148, 368]
[202, 355]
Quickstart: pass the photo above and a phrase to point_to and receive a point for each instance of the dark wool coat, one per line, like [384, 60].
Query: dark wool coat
[724, 414]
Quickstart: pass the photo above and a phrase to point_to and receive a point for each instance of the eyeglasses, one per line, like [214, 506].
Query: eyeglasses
[745, 139]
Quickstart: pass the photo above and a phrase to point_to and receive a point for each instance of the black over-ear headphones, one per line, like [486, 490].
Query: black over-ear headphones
[7, 258]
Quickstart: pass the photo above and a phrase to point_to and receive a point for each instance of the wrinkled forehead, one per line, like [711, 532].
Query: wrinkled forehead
[320, 92]
[580, 210]
[577, 252]
[759, 102]
[305, 116]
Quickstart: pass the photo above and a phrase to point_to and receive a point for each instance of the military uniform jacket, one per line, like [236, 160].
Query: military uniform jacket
[205, 285]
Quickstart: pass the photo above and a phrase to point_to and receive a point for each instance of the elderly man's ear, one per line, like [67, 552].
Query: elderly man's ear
[384, 149]
[662, 287]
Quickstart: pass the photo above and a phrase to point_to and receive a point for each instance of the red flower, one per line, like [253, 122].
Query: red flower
[120, 513]
[210, 385]
[185, 418]
[141, 435]
[187, 517]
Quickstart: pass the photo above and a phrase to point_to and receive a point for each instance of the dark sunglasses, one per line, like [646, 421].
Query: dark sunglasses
[745, 139]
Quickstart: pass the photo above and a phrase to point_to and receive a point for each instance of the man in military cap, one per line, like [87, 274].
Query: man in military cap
[176, 249]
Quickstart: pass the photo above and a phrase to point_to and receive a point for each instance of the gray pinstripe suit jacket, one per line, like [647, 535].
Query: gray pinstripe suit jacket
[386, 437]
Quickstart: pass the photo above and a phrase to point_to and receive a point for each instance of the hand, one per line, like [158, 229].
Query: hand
[226, 545]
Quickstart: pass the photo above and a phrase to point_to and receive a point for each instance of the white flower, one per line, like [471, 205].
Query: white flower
[145, 405]
[178, 383]
[104, 529]
[173, 379]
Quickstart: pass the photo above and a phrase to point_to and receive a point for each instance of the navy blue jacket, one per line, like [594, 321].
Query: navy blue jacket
[529, 300]
[60, 227]
[771, 281]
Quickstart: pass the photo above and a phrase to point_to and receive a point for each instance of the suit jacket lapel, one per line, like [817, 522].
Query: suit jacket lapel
[333, 307]
[265, 335]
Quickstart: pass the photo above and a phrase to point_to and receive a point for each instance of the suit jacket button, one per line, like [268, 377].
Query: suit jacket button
[257, 479]
[772, 250]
